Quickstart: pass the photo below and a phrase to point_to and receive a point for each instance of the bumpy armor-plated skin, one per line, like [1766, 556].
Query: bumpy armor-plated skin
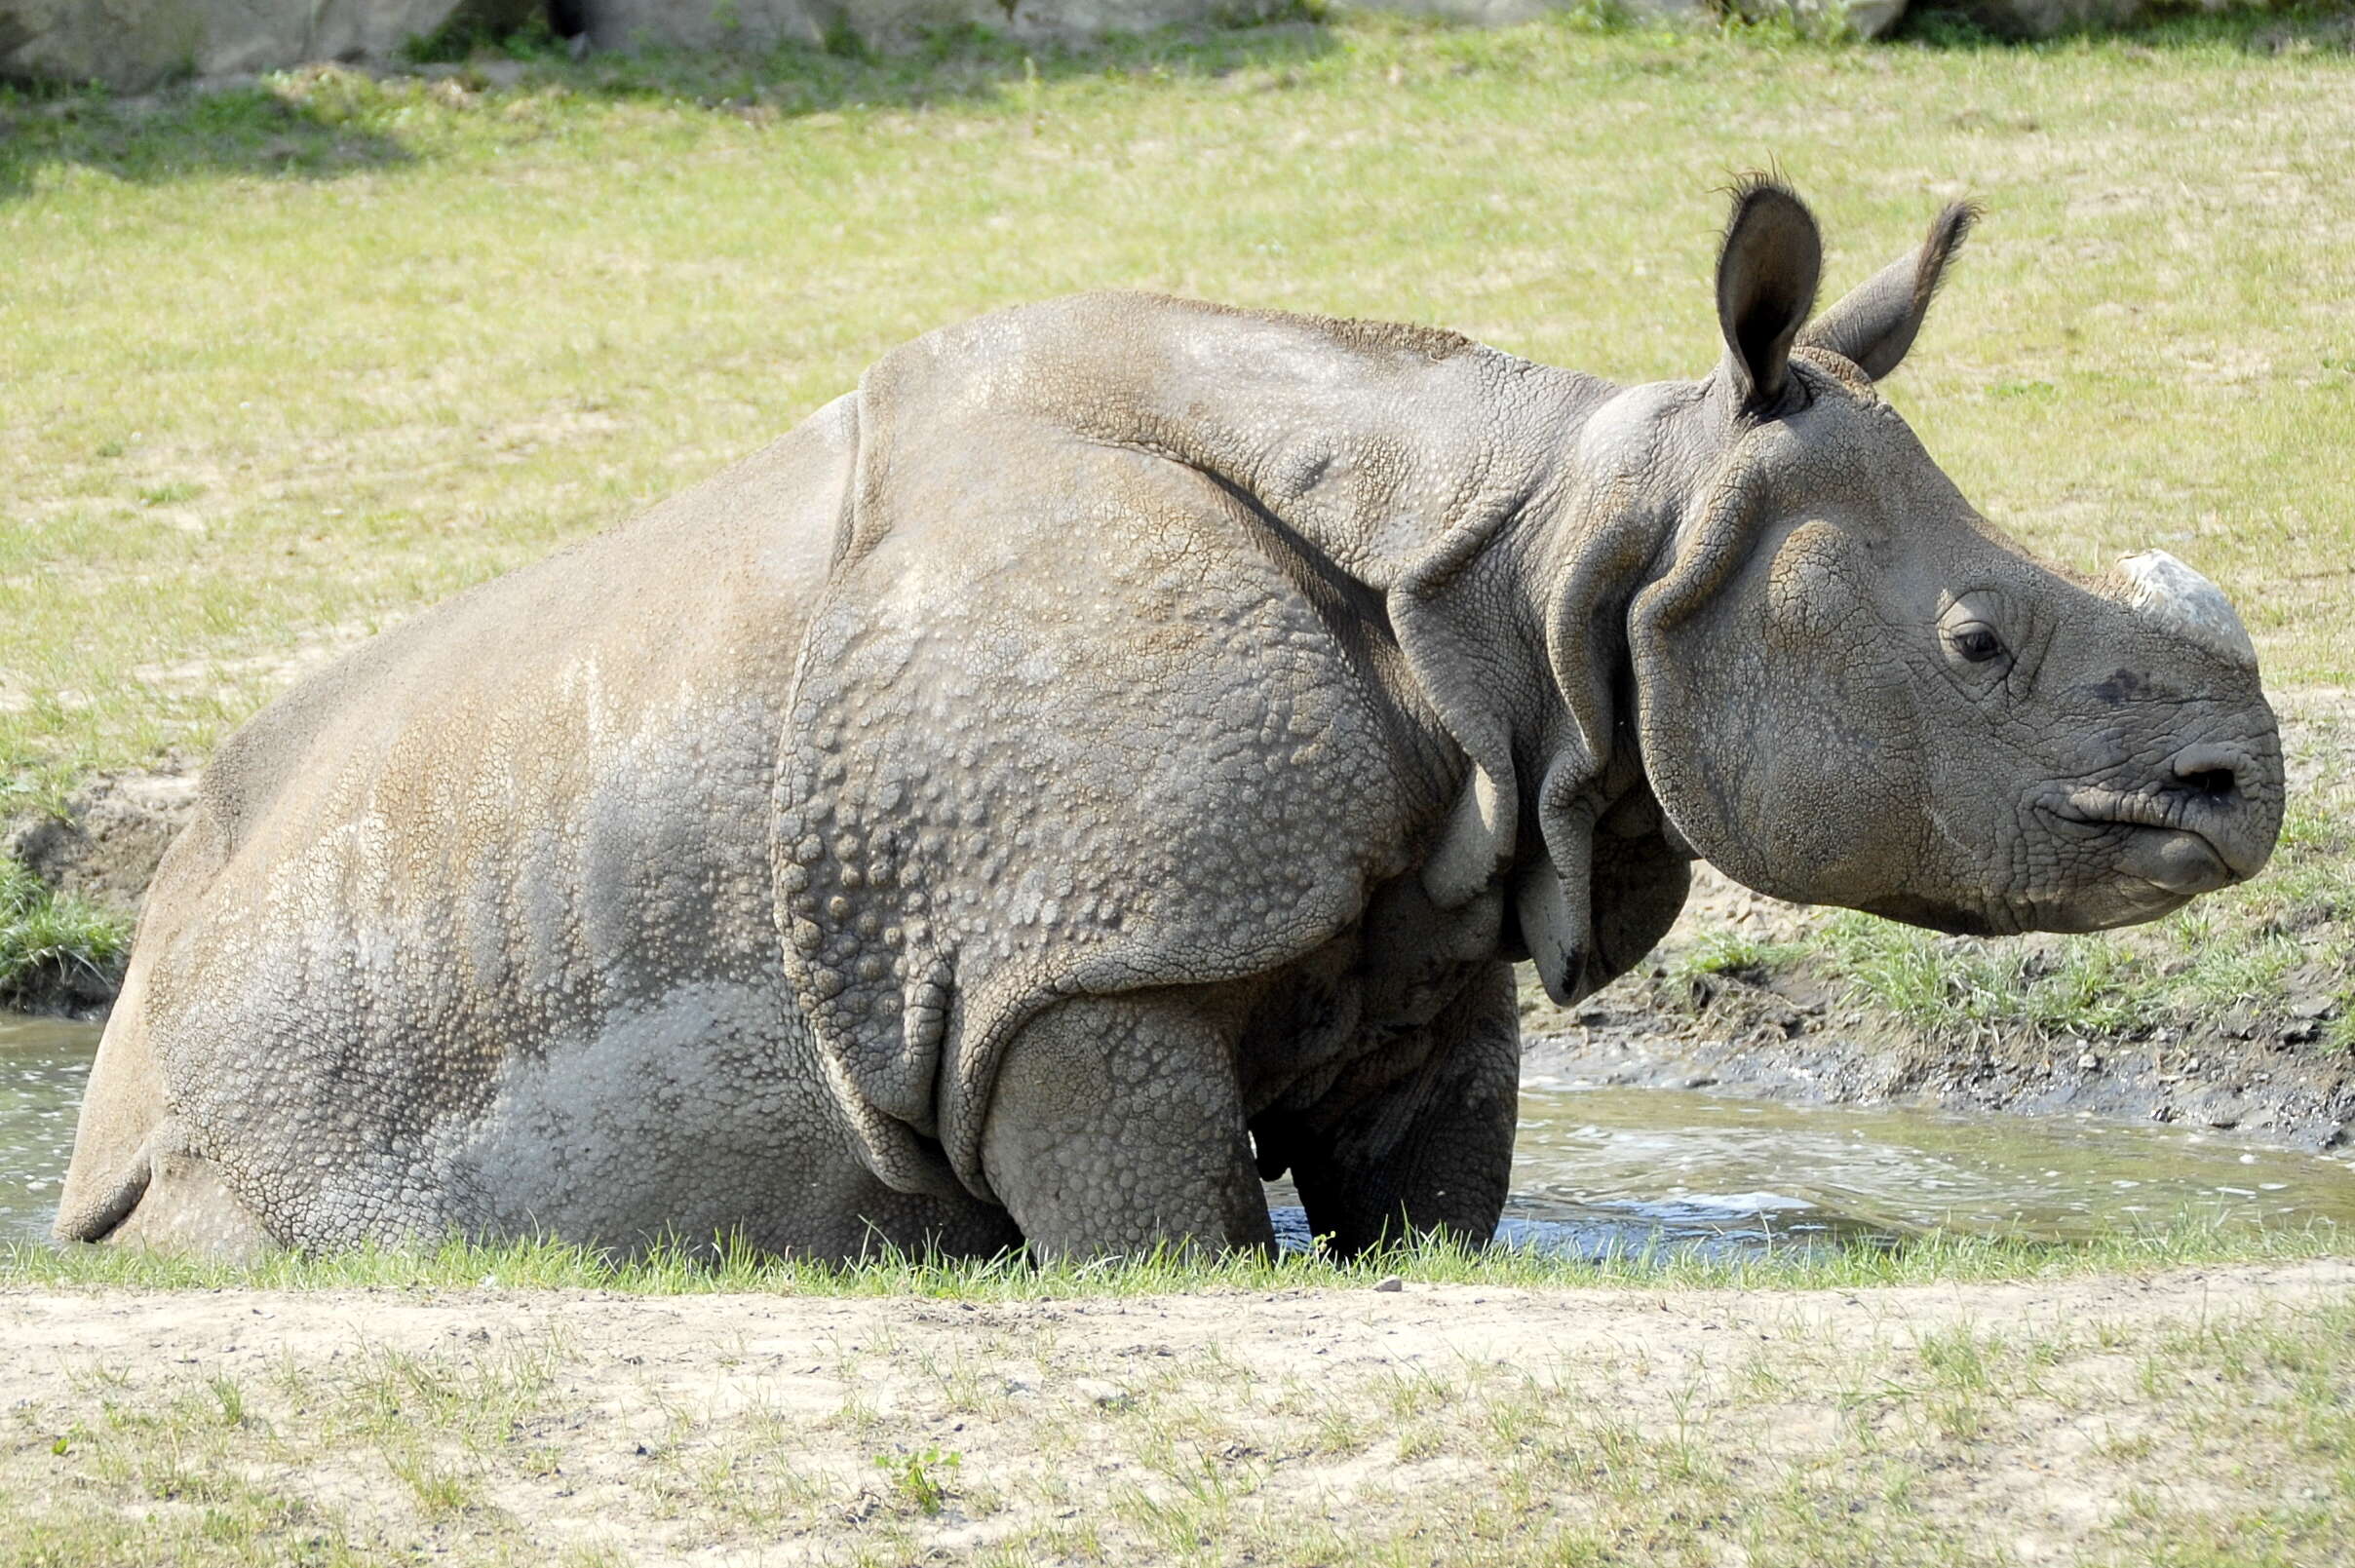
[473, 931]
[1114, 754]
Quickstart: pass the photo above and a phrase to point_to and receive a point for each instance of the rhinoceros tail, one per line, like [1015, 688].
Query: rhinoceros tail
[133, 1180]
[121, 1110]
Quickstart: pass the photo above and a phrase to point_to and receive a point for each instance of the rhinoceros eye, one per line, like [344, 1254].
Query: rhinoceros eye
[1978, 643]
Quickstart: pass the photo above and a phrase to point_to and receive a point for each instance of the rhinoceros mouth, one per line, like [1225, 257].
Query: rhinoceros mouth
[2159, 845]
[2176, 861]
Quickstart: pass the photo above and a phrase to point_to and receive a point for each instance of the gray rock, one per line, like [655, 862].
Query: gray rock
[1873, 18]
[1506, 13]
[132, 45]
[758, 25]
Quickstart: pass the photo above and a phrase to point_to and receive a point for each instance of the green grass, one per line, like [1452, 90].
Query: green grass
[54, 944]
[287, 363]
[1935, 1257]
[1735, 952]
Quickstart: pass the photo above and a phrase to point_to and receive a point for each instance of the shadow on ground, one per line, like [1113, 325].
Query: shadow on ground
[2313, 28]
[952, 66]
[326, 120]
[173, 136]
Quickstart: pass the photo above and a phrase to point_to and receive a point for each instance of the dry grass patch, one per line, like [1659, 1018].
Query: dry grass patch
[2184, 1417]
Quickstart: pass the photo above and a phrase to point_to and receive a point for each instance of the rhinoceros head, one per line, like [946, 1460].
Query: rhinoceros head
[1851, 688]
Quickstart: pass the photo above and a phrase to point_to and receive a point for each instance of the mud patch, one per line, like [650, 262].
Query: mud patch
[105, 842]
[1751, 1039]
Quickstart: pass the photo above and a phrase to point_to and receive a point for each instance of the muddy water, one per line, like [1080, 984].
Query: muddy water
[43, 1062]
[1628, 1167]
[1619, 1167]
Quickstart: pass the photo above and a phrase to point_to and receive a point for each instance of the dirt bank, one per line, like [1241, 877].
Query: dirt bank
[107, 837]
[1745, 1045]
[2026, 1422]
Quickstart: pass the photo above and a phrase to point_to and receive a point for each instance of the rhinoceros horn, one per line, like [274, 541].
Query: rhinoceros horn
[2171, 593]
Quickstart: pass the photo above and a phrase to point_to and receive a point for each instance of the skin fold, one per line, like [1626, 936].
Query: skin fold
[1115, 754]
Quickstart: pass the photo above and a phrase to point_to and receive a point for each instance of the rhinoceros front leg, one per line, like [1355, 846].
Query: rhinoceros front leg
[1116, 1125]
[1432, 1152]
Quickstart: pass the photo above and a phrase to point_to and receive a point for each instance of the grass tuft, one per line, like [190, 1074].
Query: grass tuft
[56, 946]
[1737, 953]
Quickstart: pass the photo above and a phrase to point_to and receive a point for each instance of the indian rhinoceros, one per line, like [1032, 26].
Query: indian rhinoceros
[1115, 754]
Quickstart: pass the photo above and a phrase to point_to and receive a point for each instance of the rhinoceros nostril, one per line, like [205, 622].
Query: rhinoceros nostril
[2215, 784]
[2211, 772]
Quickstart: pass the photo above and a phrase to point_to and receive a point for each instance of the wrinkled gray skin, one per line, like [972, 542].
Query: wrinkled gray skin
[1126, 741]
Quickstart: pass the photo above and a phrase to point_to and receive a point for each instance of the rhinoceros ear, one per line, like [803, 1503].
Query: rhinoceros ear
[1767, 271]
[1874, 325]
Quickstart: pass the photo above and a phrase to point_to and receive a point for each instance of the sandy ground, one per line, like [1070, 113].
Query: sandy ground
[2025, 1423]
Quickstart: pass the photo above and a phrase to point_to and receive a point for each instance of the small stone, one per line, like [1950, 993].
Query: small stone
[2312, 1005]
[2088, 1062]
[1391, 1284]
